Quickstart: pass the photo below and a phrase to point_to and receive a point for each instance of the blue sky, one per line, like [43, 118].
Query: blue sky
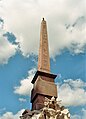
[17, 68]
[19, 42]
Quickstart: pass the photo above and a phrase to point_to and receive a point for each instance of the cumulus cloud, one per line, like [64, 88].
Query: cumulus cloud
[84, 113]
[70, 87]
[76, 117]
[2, 109]
[82, 116]
[22, 100]
[7, 49]
[10, 115]
[66, 24]
[72, 92]
[78, 83]
[25, 84]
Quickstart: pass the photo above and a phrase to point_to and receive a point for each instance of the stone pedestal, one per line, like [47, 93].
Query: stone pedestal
[43, 86]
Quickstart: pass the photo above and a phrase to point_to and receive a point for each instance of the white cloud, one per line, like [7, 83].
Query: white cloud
[84, 113]
[10, 115]
[25, 84]
[7, 49]
[78, 83]
[72, 92]
[22, 100]
[23, 19]
[82, 116]
[76, 117]
[67, 91]
[2, 109]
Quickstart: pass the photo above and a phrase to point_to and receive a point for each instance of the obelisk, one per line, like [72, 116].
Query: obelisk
[43, 58]
[43, 81]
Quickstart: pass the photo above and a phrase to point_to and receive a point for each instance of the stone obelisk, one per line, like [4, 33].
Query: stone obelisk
[43, 58]
[43, 81]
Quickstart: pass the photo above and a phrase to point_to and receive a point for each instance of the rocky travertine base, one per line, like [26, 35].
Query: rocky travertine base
[52, 110]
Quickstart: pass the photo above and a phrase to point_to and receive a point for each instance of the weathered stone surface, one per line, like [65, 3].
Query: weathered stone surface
[45, 88]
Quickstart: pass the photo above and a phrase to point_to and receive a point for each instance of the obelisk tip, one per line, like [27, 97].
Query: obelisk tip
[43, 18]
